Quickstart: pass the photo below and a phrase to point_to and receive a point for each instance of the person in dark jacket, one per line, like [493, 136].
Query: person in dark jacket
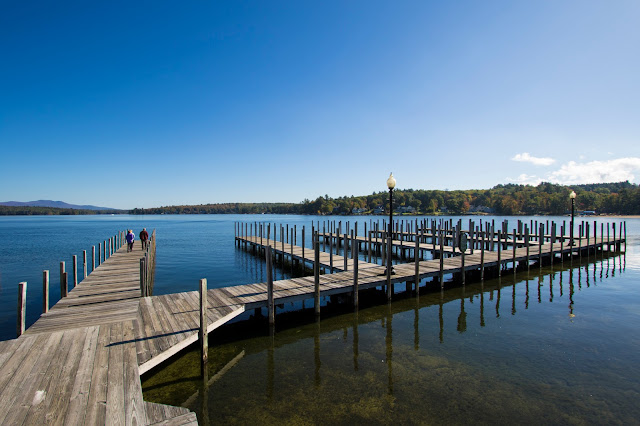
[130, 238]
[144, 238]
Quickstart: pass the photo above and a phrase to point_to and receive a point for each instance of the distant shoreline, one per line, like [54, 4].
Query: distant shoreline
[78, 213]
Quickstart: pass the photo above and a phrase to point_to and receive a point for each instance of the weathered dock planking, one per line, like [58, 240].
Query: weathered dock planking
[78, 364]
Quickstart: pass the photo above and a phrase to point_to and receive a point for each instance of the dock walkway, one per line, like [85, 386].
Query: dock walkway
[78, 363]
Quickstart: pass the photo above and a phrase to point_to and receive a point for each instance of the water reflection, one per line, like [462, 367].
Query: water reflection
[390, 354]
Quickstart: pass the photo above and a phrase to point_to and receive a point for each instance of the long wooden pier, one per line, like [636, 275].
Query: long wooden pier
[81, 362]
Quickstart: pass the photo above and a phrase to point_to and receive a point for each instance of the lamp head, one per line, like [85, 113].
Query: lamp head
[572, 195]
[391, 182]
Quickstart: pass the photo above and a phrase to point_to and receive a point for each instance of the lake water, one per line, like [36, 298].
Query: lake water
[556, 346]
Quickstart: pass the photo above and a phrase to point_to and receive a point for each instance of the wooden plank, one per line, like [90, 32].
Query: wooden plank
[82, 384]
[134, 409]
[58, 399]
[21, 392]
[157, 413]
[97, 401]
[182, 420]
[115, 377]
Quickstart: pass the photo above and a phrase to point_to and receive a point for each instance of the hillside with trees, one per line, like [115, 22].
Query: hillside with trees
[510, 199]
[51, 211]
[545, 198]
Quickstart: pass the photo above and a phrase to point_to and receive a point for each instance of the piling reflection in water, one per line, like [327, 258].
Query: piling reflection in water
[324, 386]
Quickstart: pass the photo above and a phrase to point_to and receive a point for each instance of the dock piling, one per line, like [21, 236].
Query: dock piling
[354, 250]
[75, 270]
[63, 281]
[270, 305]
[204, 341]
[316, 275]
[45, 291]
[22, 307]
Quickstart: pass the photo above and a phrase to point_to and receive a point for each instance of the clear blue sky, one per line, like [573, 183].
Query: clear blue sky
[149, 103]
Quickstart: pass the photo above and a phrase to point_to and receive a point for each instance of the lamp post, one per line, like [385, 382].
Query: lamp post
[391, 183]
[572, 196]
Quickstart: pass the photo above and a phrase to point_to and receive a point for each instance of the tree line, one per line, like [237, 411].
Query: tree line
[510, 199]
[50, 211]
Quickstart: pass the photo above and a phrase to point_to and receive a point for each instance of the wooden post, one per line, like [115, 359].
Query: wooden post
[99, 254]
[416, 260]
[330, 252]
[45, 291]
[580, 241]
[324, 236]
[202, 335]
[270, 305]
[84, 263]
[540, 242]
[441, 275]
[143, 287]
[482, 248]
[354, 250]
[75, 271]
[514, 251]
[22, 307]
[63, 281]
[93, 258]
[462, 266]
[303, 259]
[346, 248]
[526, 243]
[282, 238]
[562, 243]
[499, 253]
[389, 266]
[552, 240]
[316, 275]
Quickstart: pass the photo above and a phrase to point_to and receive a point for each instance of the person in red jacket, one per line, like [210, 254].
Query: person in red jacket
[144, 238]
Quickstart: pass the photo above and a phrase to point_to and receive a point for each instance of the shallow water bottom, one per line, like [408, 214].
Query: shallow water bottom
[556, 348]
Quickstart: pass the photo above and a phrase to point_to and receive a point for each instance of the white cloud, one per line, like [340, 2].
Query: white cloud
[538, 161]
[617, 170]
[525, 179]
[572, 173]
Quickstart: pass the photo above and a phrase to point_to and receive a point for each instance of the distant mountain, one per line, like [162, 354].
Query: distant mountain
[50, 203]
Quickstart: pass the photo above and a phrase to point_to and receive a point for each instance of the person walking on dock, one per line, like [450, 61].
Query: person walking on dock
[144, 238]
[130, 239]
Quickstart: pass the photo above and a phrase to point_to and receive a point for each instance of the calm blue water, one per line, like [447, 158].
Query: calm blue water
[189, 247]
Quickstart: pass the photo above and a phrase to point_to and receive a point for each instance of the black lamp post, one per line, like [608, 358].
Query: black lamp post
[391, 183]
[572, 196]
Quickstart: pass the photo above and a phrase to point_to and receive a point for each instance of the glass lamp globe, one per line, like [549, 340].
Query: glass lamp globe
[391, 182]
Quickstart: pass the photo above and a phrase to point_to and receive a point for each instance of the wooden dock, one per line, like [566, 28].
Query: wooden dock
[295, 289]
[81, 362]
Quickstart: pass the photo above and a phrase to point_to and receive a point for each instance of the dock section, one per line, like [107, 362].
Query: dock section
[78, 363]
